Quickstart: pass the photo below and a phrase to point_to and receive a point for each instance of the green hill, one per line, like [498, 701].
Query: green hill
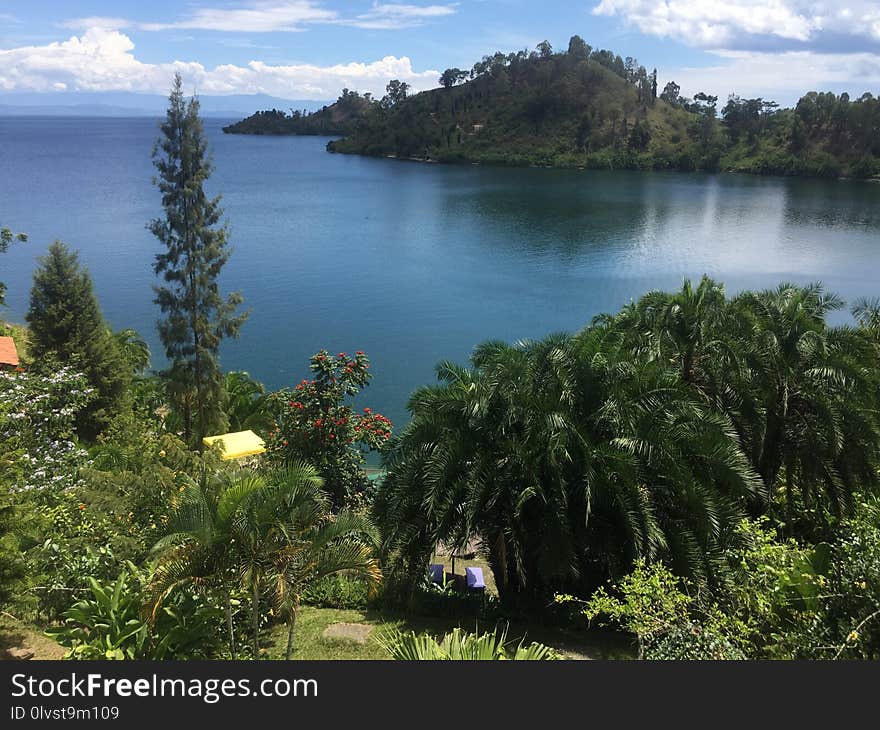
[579, 108]
[592, 108]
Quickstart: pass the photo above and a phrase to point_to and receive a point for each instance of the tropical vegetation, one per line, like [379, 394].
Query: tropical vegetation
[699, 472]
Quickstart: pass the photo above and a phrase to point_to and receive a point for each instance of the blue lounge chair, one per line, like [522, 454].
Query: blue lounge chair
[474, 578]
[437, 571]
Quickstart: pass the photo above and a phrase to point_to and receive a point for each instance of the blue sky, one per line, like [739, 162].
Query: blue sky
[301, 49]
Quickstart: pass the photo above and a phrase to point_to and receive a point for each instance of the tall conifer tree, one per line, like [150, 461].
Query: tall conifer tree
[195, 316]
[66, 323]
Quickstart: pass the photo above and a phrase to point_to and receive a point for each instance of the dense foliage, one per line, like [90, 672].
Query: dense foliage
[649, 435]
[782, 600]
[109, 624]
[591, 108]
[696, 470]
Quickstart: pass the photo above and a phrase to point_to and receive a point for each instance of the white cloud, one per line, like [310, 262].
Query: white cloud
[274, 16]
[103, 60]
[725, 23]
[257, 17]
[388, 16]
[782, 76]
[770, 48]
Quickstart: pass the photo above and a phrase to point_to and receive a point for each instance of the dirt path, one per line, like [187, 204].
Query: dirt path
[20, 641]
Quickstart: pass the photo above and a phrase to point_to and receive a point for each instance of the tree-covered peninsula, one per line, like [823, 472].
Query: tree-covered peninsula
[337, 119]
[592, 108]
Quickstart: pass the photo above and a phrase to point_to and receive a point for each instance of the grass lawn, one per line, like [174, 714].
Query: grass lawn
[309, 642]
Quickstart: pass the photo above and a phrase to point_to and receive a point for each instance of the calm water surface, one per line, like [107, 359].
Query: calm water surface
[415, 263]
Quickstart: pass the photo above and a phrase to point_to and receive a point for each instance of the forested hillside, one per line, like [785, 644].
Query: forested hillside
[593, 108]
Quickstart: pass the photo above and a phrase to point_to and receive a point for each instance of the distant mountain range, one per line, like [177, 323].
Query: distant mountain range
[121, 104]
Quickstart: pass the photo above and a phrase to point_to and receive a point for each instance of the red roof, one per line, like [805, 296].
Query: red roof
[8, 353]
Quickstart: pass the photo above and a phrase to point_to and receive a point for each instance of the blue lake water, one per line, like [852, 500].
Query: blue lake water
[415, 263]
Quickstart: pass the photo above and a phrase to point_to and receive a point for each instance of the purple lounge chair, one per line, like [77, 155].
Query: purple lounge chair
[436, 573]
[474, 577]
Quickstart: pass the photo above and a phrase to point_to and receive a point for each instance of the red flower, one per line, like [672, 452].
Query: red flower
[285, 443]
[368, 411]
[318, 423]
[82, 506]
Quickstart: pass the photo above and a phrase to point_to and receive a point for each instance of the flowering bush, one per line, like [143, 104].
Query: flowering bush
[37, 416]
[313, 422]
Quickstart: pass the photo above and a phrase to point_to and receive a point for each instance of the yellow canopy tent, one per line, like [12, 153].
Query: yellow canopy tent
[236, 445]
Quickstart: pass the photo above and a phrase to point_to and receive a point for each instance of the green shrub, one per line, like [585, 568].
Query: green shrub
[109, 623]
[459, 645]
[847, 625]
[773, 591]
[338, 591]
[690, 641]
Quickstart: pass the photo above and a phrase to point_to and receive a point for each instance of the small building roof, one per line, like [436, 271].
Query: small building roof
[237, 445]
[8, 353]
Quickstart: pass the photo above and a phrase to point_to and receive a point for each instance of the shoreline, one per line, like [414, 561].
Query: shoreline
[531, 166]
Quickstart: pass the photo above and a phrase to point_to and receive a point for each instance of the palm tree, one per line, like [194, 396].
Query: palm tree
[214, 537]
[198, 550]
[245, 403]
[684, 329]
[134, 349]
[245, 527]
[811, 397]
[313, 544]
[283, 531]
[867, 314]
[650, 434]
[567, 465]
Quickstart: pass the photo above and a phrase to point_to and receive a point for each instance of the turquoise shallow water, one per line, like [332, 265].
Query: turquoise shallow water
[415, 263]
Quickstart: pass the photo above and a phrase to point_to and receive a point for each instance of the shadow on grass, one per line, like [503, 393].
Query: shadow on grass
[571, 642]
[17, 636]
[311, 643]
